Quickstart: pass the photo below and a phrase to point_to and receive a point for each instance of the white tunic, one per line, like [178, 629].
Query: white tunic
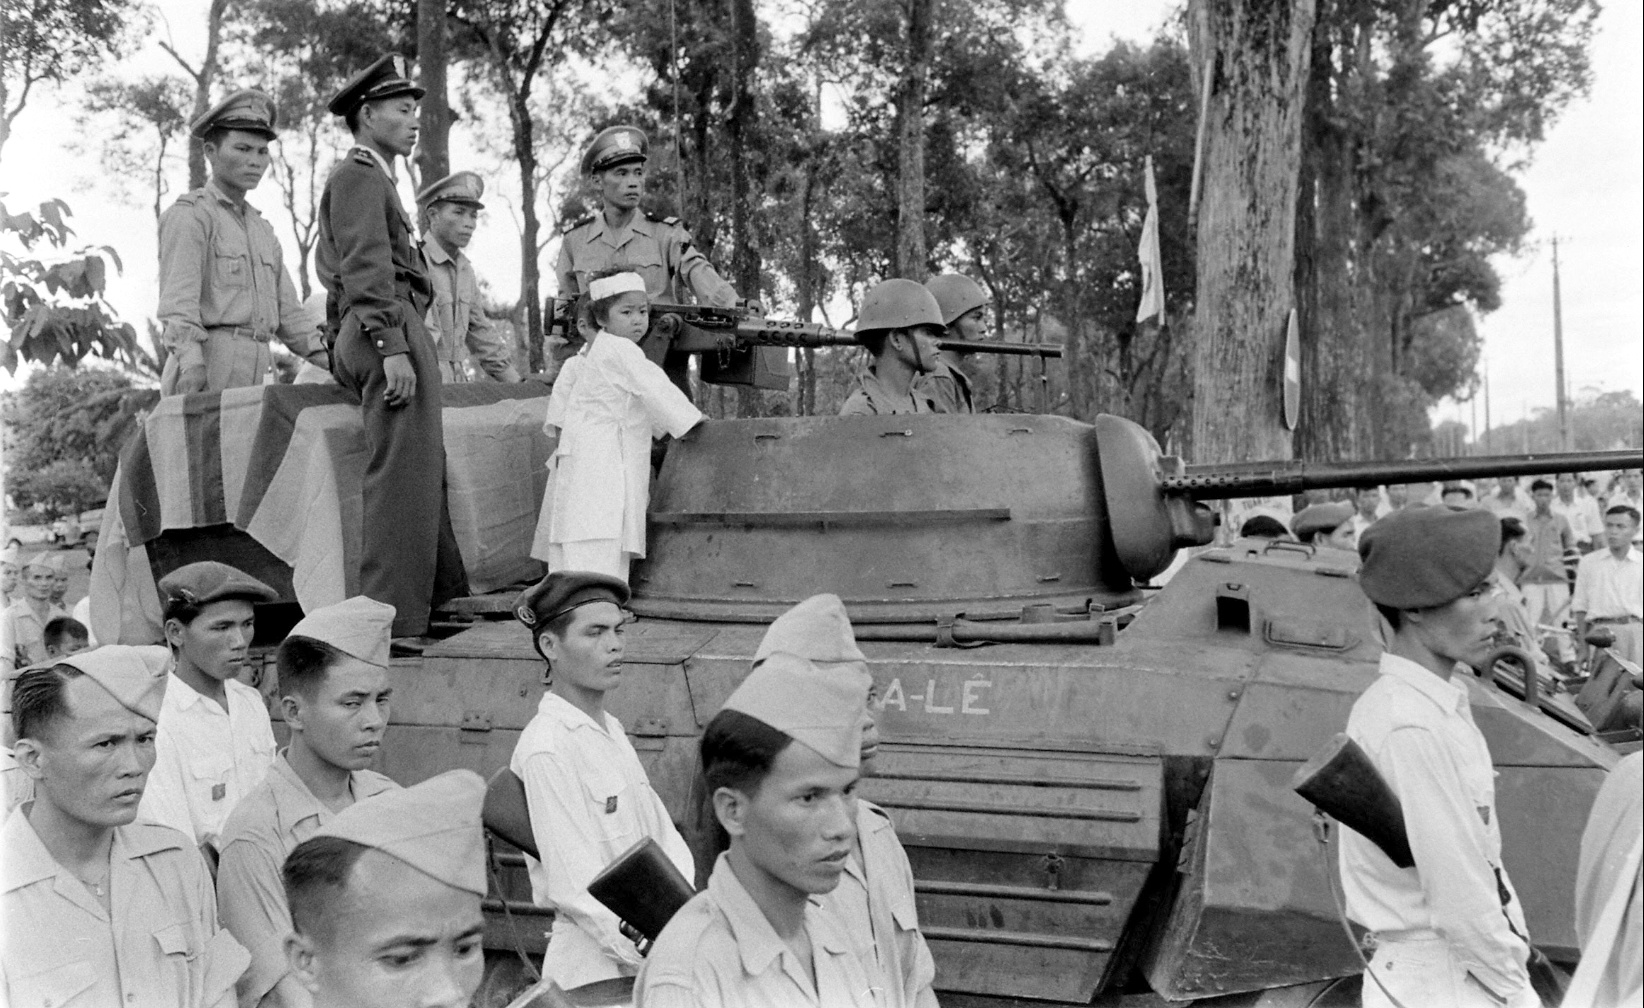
[206, 758]
[590, 801]
[608, 403]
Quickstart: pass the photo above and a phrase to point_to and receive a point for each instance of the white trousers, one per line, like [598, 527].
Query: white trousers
[1423, 973]
[1547, 604]
[602, 556]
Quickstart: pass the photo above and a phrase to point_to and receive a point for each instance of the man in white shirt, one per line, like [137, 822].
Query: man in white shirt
[1609, 588]
[1581, 511]
[588, 795]
[1451, 932]
[1509, 501]
[1367, 507]
[214, 742]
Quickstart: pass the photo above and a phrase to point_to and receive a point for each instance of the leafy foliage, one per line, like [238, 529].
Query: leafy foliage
[55, 310]
[66, 427]
[50, 41]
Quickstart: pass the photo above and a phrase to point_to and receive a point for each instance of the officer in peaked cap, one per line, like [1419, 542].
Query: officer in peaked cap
[1454, 924]
[447, 213]
[379, 297]
[99, 906]
[792, 729]
[224, 288]
[334, 692]
[398, 876]
[215, 741]
[964, 313]
[621, 234]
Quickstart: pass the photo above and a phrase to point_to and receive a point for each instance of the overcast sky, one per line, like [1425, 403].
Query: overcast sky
[1586, 185]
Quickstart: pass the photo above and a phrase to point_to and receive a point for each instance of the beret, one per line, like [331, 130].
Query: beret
[208, 581]
[385, 78]
[359, 627]
[562, 591]
[810, 681]
[458, 187]
[248, 110]
[1421, 557]
[1321, 518]
[614, 146]
[434, 827]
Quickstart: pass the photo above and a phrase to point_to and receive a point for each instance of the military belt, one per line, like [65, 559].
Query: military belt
[243, 332]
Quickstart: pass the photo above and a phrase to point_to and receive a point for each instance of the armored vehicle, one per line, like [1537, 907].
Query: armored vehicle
[1091, 775]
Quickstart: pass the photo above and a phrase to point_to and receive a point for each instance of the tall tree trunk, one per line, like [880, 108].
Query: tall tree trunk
[805, 289]
[911, 260]
[434, 144]
[203, 79]
[742, 127]
[530, 271]
[1259, 53]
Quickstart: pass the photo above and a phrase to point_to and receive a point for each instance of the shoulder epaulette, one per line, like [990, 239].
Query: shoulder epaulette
[567, 229]
[362, 157]
[190, 198]
[669, 221]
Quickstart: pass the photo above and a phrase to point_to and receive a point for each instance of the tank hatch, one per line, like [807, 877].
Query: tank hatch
[1026, 863]
[906, 518]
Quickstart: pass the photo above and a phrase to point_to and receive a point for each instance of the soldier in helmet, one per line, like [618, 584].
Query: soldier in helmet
[224, 289]
[447, 213]
[379, 296]
[964, 312]
[899, 324]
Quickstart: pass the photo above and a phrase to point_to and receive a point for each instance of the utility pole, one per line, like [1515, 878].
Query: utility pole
[1472, 425]
[1558, 356]
[1486, 406]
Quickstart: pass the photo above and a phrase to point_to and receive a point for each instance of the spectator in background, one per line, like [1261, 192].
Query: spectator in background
[66, 636]
[23, 624]
[1609, 588]
[1580, 511]
[1456, 495]
[1544, 581]
[1509, 501]
[1628, 493]
[9, 570]
[1368, 506]
[1263, 527]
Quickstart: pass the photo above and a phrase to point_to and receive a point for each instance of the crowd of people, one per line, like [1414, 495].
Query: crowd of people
[160, 850]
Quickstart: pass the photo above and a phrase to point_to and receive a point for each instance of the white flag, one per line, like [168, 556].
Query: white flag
[1153, 301]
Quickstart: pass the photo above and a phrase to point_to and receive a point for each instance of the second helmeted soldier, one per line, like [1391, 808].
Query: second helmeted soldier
[448, 213]
[224, 289]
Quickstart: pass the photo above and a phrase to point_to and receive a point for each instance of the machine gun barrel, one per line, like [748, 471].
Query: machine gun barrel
[714, 326]
[1001, 347]
[1271, 479]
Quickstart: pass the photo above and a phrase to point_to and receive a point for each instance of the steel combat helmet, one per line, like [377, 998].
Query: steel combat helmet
[898, 304]
[956, 294]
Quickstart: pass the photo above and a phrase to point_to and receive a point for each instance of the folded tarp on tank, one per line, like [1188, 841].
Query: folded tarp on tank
[283, 464]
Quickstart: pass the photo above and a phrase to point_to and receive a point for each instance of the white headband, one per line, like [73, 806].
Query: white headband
[611, 286]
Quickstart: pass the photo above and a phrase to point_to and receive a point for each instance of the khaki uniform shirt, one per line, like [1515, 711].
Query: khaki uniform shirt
[720, 951]
[873, 398]
[1418, 730]
[221, 267]
[948, 387]
[457, 321]
[206, 758]
[267, 825]
[26, 632]
[1542, 549]
[659, 249]
[160, 947]
[874, 902]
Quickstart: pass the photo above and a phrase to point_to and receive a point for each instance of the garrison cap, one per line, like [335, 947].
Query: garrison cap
[955, 294]
[359, 627]
[53, 562]
[126, 672]
[434, 827]
[614, 146]
[1321, 518]
[385, 78]
[11, 555]
[205, 582]
[1421, 557]
[248, 110]
[810, 681]
[562, 591]
[464, 187]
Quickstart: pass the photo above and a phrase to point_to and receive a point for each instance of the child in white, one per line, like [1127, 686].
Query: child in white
[608, 403]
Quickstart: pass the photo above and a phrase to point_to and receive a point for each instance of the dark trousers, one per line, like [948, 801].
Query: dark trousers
[408, 553]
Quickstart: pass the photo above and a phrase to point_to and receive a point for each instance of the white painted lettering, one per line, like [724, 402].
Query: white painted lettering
[968, 704]
[930, 700]
[894, 695]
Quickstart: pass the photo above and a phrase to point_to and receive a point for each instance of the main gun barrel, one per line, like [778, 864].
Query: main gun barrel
[1271, 479]
[698, 328]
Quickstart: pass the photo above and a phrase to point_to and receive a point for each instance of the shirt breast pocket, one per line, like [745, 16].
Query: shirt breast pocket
[64, 985]
[230, 263]
[611, 805]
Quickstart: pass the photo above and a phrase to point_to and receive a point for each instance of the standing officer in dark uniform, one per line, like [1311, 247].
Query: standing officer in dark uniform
[379, 295]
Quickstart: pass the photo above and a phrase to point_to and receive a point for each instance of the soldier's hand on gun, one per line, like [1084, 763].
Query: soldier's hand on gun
[402, 380]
